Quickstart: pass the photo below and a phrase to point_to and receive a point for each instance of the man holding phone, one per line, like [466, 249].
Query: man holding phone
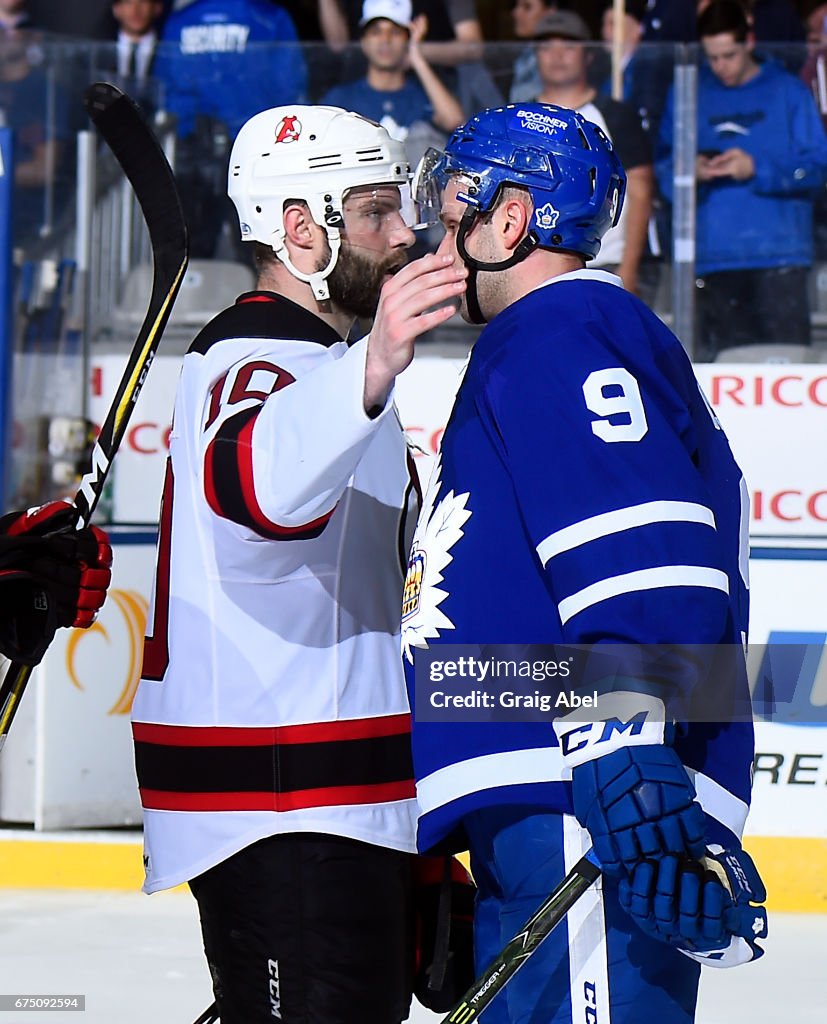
[762, 160]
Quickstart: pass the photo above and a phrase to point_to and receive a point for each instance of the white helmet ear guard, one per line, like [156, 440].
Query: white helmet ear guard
[315, 154]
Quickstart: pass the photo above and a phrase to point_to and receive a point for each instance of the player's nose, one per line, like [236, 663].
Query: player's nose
[447, 246]
[402, 237]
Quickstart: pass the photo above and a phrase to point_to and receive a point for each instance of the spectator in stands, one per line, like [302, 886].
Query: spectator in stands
[647, 70]
[526, 15]
[762, 158]
[216, 62]
[137, 38]
[34, 107]
[221, 61]
[776, 29]
[814, 72]
[563, 62]
[452, 35]
[814, 17]
[814, 76]
[14, 16]
[451, 41]
[388, 94]
[134, 55]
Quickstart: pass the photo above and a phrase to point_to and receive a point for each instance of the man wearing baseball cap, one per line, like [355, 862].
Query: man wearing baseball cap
[388, 94]
[563, 61]
[397, 11]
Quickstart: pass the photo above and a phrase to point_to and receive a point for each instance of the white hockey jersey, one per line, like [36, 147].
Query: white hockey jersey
[272, 697]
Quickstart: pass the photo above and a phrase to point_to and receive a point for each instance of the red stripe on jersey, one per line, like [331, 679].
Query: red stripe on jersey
[244, 450]
[209, 482]
[240, 504]
[241, 736]
[329, 796]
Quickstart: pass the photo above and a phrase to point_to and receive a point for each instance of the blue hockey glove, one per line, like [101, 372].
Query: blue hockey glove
[707, 910]
[629, 789]
[638, 803]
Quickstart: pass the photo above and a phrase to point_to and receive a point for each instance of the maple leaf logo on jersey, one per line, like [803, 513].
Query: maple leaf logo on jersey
[438, 530]
[289, 129]
[546, 216]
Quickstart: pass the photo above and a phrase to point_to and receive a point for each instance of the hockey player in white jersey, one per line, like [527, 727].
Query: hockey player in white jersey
[271, 724]
[585, 495]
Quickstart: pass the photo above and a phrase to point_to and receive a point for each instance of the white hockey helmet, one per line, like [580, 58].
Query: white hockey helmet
[312, 153]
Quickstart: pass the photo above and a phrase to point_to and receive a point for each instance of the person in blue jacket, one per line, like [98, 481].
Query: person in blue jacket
[762, 161]
[585, 505]
[219, 63]
[218, 60]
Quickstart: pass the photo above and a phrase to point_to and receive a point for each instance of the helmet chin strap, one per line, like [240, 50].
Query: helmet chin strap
[318, 279]
[526, 246]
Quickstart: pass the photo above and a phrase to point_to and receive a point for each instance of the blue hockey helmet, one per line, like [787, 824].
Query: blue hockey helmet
[566, 163]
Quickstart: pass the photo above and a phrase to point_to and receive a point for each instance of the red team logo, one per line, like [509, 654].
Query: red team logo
[289, 129]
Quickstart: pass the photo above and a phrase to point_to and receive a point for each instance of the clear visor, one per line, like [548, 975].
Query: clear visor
[409, 210]
[427, 187]
[383, 204]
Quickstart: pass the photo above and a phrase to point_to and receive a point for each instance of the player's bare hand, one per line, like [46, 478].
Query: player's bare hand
[419, 297]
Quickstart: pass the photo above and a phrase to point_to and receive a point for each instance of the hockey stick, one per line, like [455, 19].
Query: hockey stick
[126, 132]
[209, 1016]
[519, 949]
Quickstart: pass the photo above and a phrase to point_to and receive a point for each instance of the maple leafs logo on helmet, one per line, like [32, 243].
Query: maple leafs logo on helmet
[289, 129]
[546, 217]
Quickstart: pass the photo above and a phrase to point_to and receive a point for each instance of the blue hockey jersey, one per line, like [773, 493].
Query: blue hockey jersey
[585, 494]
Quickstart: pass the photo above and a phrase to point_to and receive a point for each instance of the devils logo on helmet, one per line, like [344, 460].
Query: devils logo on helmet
[289, 129]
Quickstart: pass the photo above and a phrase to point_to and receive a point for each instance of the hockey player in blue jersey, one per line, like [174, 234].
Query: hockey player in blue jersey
[585, 495]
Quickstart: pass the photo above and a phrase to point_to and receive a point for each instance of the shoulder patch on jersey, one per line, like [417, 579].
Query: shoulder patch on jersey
[438, 530]
[264, 315]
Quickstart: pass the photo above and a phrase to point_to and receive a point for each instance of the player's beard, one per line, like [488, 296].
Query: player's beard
[356, 281]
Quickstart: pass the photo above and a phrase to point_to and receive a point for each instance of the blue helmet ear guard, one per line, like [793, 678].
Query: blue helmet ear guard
[566, 163]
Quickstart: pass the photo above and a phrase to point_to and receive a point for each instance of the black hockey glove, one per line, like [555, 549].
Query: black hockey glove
[51, 575]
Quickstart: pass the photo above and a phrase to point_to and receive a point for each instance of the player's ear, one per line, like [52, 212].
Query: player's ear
[299, 226]
[515, 220]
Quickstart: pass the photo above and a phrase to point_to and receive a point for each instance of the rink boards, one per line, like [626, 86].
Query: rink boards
[68, 762]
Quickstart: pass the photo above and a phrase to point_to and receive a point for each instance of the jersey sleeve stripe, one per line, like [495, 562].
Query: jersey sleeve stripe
[621, 519]
[719, 803]
[229, 485]
[490, 771]
[663, 576]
